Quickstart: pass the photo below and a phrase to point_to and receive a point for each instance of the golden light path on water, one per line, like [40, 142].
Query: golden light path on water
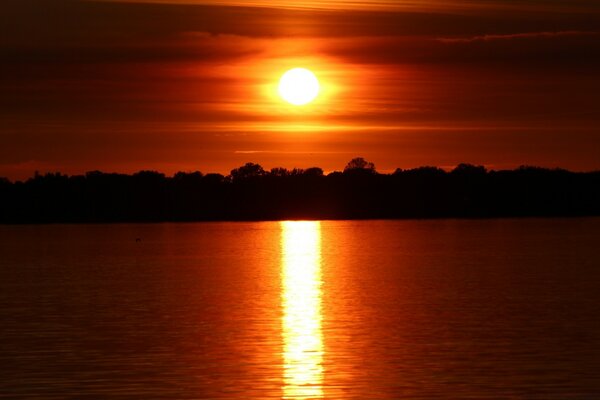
[301, 300]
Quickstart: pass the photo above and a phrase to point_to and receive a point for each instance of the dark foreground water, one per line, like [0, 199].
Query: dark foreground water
[336, 309]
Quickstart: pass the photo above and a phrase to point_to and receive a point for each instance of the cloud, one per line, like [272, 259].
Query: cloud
[393, 5]
[552, 50]
[513, 36]
[38, 23]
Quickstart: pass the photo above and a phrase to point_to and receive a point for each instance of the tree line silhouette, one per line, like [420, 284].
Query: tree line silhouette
[252, 193]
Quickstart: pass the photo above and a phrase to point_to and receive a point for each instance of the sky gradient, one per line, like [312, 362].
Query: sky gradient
[191, 85]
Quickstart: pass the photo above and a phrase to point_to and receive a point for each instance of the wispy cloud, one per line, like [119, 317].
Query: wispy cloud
[289, 152]
[526, 35]
[386, 5]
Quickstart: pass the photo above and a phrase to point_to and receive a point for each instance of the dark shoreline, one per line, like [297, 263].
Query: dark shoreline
[209, 221]
[251, 194]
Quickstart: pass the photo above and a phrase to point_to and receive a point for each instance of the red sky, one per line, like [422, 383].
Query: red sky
[189, 85]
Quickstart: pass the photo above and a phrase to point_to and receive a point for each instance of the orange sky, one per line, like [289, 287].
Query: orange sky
[116, 86]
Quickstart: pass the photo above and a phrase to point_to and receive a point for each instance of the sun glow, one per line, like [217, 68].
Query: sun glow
[299, 86]
[301, 300]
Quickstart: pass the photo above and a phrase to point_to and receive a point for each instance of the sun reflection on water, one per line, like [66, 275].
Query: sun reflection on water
[301, 299]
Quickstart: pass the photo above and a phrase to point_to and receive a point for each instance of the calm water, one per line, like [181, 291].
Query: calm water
[336, 309]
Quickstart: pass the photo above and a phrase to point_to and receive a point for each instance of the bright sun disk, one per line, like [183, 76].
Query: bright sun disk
[299, 86]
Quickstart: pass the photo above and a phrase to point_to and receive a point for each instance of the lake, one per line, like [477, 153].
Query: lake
[332, 309]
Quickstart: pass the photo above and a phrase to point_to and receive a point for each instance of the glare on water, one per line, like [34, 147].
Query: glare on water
[301, 301]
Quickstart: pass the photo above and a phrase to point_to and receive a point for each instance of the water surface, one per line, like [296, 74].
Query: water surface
[332, 309]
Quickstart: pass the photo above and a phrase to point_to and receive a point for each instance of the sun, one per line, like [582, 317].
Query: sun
[299, 86]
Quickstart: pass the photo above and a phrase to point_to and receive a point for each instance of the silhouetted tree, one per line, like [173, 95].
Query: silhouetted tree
[422, 171]
[359, 163]
[469, 169]
[188, 176]
[213, 178]
[279, 172]
[249, 170]
[313, 171]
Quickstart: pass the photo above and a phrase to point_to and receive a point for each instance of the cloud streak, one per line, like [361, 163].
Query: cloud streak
[391, 5]
[513, 36]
